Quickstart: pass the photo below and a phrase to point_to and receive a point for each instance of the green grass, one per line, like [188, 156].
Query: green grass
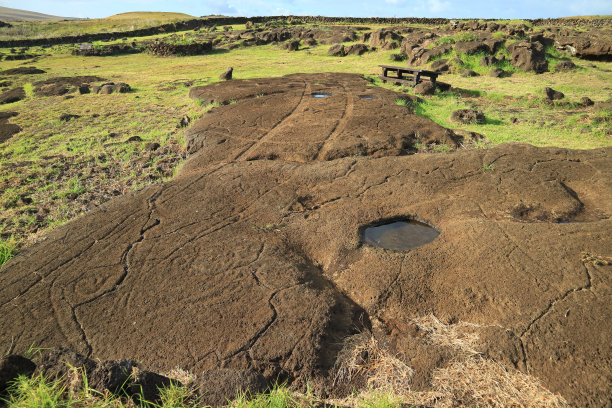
[7, 250]
[41, 392]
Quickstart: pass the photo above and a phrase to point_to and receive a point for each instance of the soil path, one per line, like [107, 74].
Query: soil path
[258, 264]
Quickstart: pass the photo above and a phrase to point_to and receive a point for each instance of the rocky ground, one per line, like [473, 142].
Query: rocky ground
[266, 217]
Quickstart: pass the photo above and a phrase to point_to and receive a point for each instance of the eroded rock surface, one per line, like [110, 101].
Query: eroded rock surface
[248, 264]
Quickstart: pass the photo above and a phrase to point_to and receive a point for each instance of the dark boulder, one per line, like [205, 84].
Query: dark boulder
[107, 89]
[528, 56]
[488, 61]
[227, 75]
[84, 89]
[292, 45]
[12, 95]
[217, 386]
[441, 65]
[122, 87]
[336, 50]
[565, 66]
[498, 73]
[468, 73]
[356, 49]
[553, 95]
[11, 367]
[398, 57]
[466, 116]
[424, 88]
[385, 39]
[586, 101]
[471, 47]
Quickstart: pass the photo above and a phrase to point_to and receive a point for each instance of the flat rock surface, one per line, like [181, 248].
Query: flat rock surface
[253, 264]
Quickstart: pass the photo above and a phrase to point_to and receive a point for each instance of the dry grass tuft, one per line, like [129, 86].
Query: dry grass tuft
[362, 355]
[478, 382]
[450, 335]
[471, 380]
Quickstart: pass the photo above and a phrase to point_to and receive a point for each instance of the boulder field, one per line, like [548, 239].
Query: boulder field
[252, 257]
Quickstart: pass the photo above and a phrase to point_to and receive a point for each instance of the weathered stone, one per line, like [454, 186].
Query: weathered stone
[11, 367]
[553, 95]
[227, 75]
[424, 88]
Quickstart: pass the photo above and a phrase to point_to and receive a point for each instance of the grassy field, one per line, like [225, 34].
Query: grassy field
[116, 23]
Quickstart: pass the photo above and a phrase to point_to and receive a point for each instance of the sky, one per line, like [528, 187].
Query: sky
[506, 9]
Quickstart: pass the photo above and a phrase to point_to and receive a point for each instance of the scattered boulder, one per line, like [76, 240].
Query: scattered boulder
[424, 88]
[528, 56]
[291, 45]
[498, 73]
[553, 95]
[466, 116]
[311, 42]
[471, 47]
[11, 367]
[356, 49]
[488, 60]
[565, 66]
[385, 39]
[441, 65]
[586, 101]
[22, 71]
[468, 73]
[107, 89]
[12, 95]
[217, 386]
[336, 50]
[398, 57]
[227, 75]
[84, 89]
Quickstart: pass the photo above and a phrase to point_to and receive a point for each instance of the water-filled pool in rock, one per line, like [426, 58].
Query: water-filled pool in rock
[366, 97]
[399, 235]
[320, 95]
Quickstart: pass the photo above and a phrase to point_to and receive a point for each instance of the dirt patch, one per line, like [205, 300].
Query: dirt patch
[280, 238]
[22, 71]
[7, 130]
[12, 95]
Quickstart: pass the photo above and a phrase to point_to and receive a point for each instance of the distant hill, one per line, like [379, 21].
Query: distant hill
[150, 15]
[11, 14]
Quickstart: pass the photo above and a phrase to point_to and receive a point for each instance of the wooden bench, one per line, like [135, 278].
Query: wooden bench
[406, 75]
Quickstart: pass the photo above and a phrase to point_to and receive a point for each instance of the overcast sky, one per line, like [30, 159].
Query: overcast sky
[343, 8]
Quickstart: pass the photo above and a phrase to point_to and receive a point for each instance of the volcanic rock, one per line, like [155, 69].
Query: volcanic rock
[227, 75]
[441, 65]
[336, 50]
[565, 66]
[266, 217]
[528, 56]
[498, 73]
[553, 95]
[356, 49]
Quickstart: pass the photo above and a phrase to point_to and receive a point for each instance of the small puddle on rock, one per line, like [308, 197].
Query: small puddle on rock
[366, 97]
[320, 95]
[399, 235]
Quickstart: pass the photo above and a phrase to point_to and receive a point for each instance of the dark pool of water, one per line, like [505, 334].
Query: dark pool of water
[399, 235]
[320, 95]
